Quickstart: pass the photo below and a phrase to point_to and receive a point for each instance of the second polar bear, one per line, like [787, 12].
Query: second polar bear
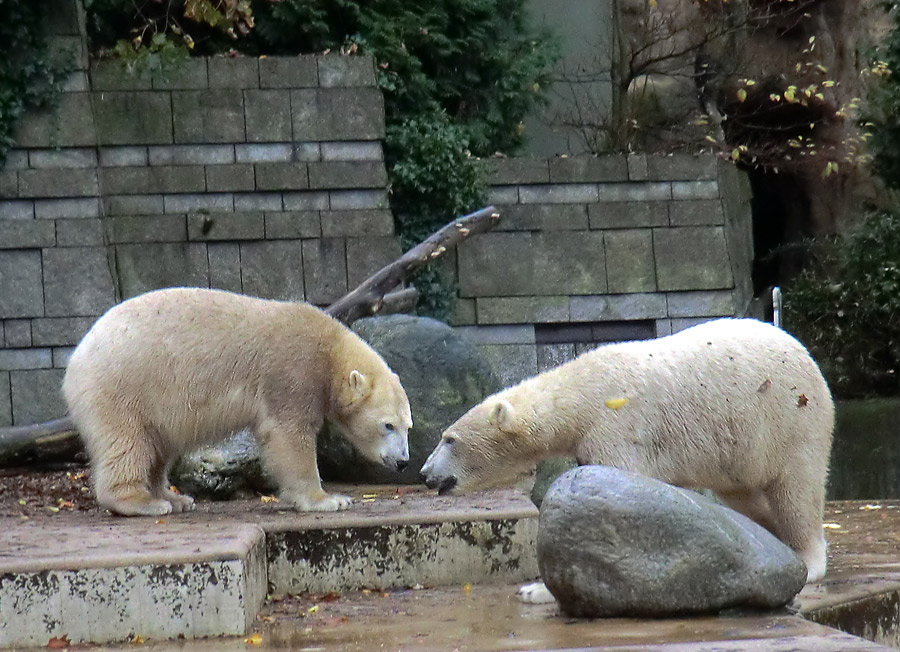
[733, 405]
[172, 370]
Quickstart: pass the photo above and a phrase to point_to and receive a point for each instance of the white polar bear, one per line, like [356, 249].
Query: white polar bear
[733, 405]
[172, 370]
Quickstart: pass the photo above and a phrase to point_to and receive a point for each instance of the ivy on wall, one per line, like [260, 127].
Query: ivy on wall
[29, 76]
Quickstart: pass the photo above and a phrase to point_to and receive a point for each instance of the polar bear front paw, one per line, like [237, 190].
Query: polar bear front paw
[321, 503]
[535, 593]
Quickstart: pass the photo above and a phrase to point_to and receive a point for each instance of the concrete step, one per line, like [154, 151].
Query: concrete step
[97, 578]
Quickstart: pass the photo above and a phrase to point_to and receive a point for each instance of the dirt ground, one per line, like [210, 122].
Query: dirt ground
[31, 493]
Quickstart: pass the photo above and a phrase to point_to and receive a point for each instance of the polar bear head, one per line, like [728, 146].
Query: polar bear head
[375, 415]
[491, 445]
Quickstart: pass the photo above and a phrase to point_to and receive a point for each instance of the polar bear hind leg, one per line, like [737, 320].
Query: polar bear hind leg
[797, 509]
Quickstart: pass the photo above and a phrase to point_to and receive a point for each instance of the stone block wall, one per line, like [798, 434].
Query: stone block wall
[592, 250]
[262, 176]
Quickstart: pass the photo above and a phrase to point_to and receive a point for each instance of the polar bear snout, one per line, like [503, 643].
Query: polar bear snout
[439, 472]
[394, 451]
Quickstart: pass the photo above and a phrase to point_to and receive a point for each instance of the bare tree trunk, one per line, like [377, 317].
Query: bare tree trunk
[57, 441]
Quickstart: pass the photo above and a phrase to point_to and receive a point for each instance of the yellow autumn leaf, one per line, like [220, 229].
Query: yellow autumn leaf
[616, 403]
[313, 609]
[256, 639]
[735, 156]
[741, 95]
[790, 94]
[137, 639]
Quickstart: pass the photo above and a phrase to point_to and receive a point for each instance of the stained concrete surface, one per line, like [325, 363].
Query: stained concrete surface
[860, 593]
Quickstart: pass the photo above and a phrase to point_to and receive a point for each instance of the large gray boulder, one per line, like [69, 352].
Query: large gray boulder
[615, 543]
[224, 471]
[444, 374]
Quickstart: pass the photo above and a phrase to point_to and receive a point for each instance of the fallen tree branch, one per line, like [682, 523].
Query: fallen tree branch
[58, 440]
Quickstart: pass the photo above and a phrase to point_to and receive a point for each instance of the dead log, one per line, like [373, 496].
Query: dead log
[57, 441]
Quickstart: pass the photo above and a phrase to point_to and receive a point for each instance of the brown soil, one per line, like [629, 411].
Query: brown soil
[31, 494]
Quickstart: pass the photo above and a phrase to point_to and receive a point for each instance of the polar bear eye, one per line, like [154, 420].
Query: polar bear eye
[449, 440]
[389, 427]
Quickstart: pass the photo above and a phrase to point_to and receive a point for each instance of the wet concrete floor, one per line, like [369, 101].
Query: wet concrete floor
[861, 592]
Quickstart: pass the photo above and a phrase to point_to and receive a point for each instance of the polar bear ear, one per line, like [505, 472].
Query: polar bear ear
[501, 415]
[359, 384]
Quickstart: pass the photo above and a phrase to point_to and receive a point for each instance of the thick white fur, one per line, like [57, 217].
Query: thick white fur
[733, 405]
[171, 370]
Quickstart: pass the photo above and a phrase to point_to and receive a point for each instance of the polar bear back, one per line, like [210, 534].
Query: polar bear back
[737, 391]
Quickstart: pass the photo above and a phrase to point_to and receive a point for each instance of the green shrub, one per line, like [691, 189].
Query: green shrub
[882, 112]
[29, 76]
[846, 309]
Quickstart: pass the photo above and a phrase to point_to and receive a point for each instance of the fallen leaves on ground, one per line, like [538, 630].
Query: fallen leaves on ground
[59, 642]
[255, 639]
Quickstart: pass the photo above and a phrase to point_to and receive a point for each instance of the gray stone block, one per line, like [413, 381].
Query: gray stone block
[36, 396]
[69, 122]
[542, 263]
[345, 71]
[293, 225]
[9, 184]
[61, 355]
[17, 333]
[288, 72]
[588, 169]
[77, 282]
[225, 266]
[59, 331]
[618, 307]
[563, 332]
[114, 75]
[273, 270]
[15, 359]
[61, 18]
[79, 233]
[74, 157]
[128, 118]
[210, 202]
[153, 180]
[258, 201]
[306, 152]
[324, 270]
[369, 222]
[16, 210]
[692, 258]
[230, 178]
[637, 167]
[85, 207]
[16, 159]
[263, 153]
[306, 201]
[679, 325]
[145, 267]
[503, 195]
[550, 356]
[124, 156]
[226, 226]
[516, 171]
[695, 190]
[506, 334]
[281, 176]
[210, 116]
[519, 310]
[76, 82]
[512, 363]
[233, 72]
[347, 174]
[568, 193]
[544, 217]
[699, 212]
[337, 114]
[5, 402]
[58, 183]
[356, 199]
[21, 286]
[155, 228]
[191, 154]
[627, 215]
[268, 115]
[713, 303]
[189, 74]
[134, 205]
[663, 327]
[27, 234]
[682, 167]
[352, 151]
[622, 331]
[367, 255]
[462, 313]
[629, 261]
[653, 191]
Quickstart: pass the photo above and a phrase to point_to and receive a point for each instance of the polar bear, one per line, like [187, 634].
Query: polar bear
[733, 405]
[175, 369]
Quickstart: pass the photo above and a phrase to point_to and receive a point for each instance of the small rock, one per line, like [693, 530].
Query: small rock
[223, 471]
[615, 543]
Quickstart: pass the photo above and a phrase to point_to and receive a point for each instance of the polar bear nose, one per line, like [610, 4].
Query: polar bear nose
[402, 464]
